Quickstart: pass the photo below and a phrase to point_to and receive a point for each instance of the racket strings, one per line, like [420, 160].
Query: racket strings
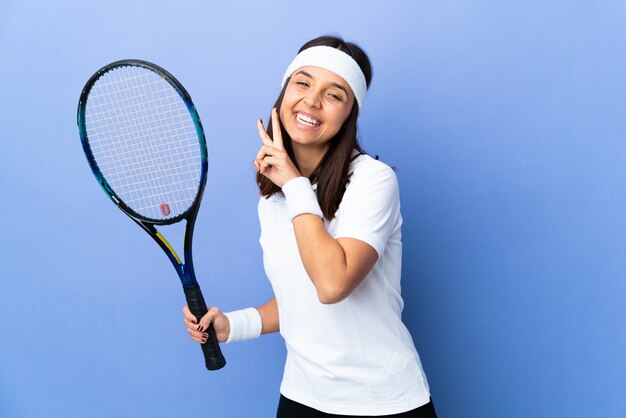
[125, 147]
[115, 122]
[144, 141]
[104, 84]
[131, 117]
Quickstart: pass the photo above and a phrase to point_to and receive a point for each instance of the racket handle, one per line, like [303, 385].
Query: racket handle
[213, 358]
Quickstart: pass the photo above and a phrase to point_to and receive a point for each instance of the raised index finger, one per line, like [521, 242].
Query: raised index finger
[278, 137]
[262, 134]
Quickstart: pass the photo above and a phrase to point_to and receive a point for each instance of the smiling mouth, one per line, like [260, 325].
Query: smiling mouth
[305, 120]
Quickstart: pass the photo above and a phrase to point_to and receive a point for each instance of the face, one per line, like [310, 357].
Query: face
[316, 104]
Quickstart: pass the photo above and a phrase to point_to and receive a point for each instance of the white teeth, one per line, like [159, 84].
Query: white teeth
[307, 120]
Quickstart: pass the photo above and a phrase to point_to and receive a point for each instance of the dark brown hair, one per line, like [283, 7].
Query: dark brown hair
[331, 174]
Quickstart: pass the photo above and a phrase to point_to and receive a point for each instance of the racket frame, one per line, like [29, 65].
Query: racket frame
[213, 357]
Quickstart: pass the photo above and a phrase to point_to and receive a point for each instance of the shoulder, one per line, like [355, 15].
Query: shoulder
[365, 165]
[367, 171]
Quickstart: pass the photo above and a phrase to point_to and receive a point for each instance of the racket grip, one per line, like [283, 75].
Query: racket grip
[213, 358]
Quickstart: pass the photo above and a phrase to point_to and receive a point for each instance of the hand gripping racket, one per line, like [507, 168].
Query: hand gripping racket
[145, 144]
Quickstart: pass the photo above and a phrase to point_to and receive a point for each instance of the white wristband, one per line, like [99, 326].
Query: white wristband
[301, 198]
[245, 324]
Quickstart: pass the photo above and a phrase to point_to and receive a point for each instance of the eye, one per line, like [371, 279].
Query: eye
[302, 83]
[334, 96]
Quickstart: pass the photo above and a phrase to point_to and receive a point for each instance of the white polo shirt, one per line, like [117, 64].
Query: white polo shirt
[354, 357]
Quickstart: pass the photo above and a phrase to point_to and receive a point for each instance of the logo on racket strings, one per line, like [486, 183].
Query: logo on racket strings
[165, 209]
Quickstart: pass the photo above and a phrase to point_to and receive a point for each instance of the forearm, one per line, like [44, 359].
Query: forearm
[335, 266]
[269, 316]
[324, 259]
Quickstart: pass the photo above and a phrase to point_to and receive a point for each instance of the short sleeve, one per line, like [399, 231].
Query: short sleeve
[262, 213]
[370, 208]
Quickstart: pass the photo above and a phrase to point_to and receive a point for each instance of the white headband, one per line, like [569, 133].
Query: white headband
[334, 60]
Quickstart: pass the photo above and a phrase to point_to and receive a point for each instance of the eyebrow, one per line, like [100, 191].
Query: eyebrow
[339, 86]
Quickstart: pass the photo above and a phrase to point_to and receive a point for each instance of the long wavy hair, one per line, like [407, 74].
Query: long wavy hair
[332, 173]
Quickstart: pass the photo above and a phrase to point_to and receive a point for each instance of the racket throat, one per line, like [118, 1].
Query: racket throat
[169, 247]
[183, 268]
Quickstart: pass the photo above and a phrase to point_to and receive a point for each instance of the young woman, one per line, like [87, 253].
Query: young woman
[330, 233]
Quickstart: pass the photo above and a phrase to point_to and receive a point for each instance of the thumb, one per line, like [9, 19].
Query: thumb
[207, 319]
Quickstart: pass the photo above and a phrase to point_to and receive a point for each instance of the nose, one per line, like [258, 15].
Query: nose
[312, 99]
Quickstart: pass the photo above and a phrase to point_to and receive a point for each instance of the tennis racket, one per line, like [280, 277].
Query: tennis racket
[145, 144]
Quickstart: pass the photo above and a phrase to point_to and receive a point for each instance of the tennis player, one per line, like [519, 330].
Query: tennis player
[330, 233]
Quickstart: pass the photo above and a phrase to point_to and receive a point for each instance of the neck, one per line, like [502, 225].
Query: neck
[308, 158]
